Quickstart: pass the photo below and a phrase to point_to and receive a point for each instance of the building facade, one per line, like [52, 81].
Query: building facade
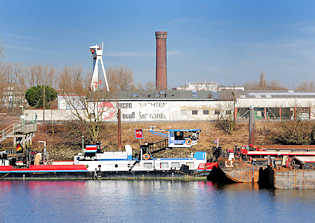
[284, 106]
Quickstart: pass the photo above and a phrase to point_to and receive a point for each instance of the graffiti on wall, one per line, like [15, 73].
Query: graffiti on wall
[106, 110]
[123, 105]
[139, 111]
[151, 116]
[152, 104]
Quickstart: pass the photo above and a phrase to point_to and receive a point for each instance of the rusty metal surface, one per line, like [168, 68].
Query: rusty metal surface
[240, 172]
[286, 146]
[294, 179]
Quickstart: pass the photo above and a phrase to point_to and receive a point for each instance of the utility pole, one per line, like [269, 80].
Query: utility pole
[44, 103]
[234, 106]
[119, 128]
[251, 126]
[82, 143]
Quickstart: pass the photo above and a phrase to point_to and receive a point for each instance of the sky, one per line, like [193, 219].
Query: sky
[229, 42]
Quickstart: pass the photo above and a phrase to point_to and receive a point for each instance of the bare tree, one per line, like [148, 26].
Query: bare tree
[1, 52]
[79, 85]
[264, 85]
[120, 78]
[275, 85]
[139, 87]
[149, 86]
[306, 86]
[3, 83]
[65, 80]
[51, 77]
[262, 81]
[88, 114]
[37, 75]
[71, 80]
[12, 85]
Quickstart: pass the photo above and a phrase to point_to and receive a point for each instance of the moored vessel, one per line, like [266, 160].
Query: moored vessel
[272, 166]
[93, 163]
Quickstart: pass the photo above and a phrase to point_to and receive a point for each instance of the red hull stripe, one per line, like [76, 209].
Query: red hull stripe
[46, 168]
[281, 154]
[207, 166]
[43, 171]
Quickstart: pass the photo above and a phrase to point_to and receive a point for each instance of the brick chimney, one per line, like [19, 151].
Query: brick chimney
[161, 61]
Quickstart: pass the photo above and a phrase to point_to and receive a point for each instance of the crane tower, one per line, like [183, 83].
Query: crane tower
[97, 54]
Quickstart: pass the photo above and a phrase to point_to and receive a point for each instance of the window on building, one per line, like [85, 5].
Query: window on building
[194, 112]
[206, 112]
[228, 112]
[217, 112]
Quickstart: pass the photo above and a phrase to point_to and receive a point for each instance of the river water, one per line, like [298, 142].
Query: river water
[150, 201]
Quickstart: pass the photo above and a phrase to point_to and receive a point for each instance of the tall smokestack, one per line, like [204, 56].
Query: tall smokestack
[161, 72]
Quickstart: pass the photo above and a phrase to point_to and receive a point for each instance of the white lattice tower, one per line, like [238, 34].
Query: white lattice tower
[97, 53]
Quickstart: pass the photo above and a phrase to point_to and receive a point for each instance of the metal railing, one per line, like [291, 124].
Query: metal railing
[158, 146]
[13, 129]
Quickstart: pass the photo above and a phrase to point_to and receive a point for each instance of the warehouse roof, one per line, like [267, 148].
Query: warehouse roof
[167, 95]
[278, 94]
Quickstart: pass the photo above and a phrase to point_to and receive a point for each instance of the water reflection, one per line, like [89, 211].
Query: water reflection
[154, 201]
[238, 187]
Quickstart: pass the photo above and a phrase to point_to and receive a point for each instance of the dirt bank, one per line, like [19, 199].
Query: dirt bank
[63, 146]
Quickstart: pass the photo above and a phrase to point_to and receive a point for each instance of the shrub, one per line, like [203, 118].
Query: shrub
[34, 96]
[294, 133]
[226, 124]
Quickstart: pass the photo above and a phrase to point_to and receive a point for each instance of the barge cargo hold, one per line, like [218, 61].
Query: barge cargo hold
[289, 166]
[287, 178]
[276, 167]
[237, 172]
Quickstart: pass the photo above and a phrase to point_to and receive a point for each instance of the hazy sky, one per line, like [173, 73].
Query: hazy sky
[224, 41]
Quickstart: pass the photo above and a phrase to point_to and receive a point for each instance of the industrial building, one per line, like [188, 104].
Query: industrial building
[189, 105]
[197, 101]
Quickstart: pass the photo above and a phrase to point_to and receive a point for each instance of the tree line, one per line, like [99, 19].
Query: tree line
[15, 79]
[263, 84]
[70, 79]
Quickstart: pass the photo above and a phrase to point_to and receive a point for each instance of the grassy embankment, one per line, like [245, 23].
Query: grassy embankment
[63, 147]
[63, 144]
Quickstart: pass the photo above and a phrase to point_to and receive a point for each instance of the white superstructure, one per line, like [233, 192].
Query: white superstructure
[124, 162]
